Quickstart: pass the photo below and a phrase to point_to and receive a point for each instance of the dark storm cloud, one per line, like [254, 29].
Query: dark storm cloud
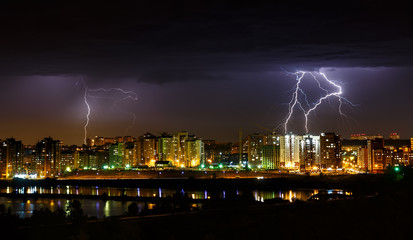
[166, 41]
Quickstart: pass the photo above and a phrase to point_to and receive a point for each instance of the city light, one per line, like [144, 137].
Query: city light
[310, 154]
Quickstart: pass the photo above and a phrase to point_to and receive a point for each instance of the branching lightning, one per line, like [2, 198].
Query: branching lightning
[88, 94]
[299, 93]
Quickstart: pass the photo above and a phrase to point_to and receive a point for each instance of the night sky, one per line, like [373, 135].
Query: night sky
[210, 68]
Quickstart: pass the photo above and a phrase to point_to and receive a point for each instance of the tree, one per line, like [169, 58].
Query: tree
[133, 209]
[74, 211]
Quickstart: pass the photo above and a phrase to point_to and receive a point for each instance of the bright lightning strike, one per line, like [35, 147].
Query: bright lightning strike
[299, 93]
[129, 95]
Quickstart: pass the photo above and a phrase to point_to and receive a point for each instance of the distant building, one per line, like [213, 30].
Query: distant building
[210, 151]
[29, 156]
[166, 148]
[363, 158]
[290, 151]
[99, 158]
[255, 143]
[232, 160]
[149, 149]
[68, 160]
[214, 151]
[363, 136]
[194, 153]
[129, 155]
[394, 136]
[376, 161]
[179, 140]
[310, 153]
[11, 158]
[116, 154]
[47, 157]
[127, 139]
[271, 156]
[330, 151]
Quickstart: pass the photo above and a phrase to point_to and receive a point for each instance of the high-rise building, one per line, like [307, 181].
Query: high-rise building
[290, 151]
[194, 153]
[116, 154]
[29, 157]
[310, 153]
[210, 151]
[128, 158]
[215, 152]
[179, 140]
[271, 156]
[255, 143]
[138, 152]
[67, 160]
[11, 158]
[330, 151]
[363, 157]
[149, 149]
[166, 148]
[376, 157]
[47, 157]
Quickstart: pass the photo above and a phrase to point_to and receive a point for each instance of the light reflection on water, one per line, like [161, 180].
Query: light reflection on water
[100, 208]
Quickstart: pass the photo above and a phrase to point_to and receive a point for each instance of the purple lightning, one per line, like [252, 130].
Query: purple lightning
[129, 95]
[298, 91]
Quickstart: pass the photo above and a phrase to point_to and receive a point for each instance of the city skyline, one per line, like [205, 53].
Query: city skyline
[305, 153]
[208, 68]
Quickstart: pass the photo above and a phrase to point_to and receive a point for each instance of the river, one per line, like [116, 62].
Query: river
[100, 208]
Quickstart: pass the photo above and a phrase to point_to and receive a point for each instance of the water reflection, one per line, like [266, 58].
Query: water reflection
[100, 208]
[290, 195]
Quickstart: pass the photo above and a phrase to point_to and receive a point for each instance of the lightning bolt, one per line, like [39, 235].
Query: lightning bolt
[87, 115]
[298, 93]
[88, 94]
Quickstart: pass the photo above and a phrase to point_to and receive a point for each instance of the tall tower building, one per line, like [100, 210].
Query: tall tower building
[166, 148]
[128, 157]
[67, 159]
[290, 151]
[255, 143]
[363, 157]
[11, 158]
[310, 153]
[48, 157]
[271, 152]
[194, 153]
[330, 151]
[376, 160]
[116, 155]
[179, 140]
[271, 156]
[149, 149]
